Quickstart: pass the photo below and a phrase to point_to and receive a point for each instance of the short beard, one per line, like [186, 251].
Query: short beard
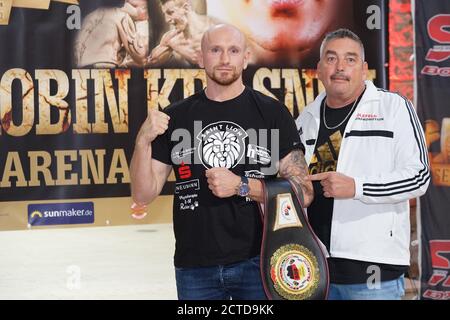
[224, 81]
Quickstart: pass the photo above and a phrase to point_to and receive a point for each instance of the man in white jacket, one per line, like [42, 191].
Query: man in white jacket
[366, 154]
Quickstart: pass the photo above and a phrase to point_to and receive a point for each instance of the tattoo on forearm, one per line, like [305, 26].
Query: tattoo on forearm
[295, 169]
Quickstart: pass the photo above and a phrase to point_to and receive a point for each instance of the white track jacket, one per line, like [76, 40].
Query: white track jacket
[383, 150]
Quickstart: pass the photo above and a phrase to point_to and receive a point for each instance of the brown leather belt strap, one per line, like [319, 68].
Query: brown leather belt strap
[293, 265]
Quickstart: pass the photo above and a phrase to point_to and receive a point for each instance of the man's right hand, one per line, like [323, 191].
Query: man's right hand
[156, 124]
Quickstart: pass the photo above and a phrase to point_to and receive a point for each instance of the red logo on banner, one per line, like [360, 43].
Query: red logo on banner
[436, 71]
[440, 260]
[184, 171]
[438, 30]
[438, 250]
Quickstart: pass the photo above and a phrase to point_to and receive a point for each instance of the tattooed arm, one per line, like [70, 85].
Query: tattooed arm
[223, 183]
[294, 168]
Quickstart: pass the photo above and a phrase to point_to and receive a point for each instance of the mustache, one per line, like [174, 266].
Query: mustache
[224, 66]
[340, 76]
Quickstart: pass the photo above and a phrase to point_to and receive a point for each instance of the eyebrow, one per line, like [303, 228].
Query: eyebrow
[221, 46]
[347, 53]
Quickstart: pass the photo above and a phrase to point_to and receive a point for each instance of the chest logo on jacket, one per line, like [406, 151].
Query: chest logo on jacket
[222, 144]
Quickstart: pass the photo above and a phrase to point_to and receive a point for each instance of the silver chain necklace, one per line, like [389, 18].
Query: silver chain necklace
[339, 124]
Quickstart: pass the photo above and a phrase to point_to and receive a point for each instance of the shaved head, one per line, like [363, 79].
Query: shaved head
[214, 31]
[224, 54]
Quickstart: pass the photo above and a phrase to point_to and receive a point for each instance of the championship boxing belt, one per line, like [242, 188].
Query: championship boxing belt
[293, 265]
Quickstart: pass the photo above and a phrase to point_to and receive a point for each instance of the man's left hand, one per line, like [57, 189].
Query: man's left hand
[222, 182]
[335, 184]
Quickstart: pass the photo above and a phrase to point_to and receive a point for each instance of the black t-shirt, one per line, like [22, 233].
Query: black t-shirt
[320, 212]
[246, 134]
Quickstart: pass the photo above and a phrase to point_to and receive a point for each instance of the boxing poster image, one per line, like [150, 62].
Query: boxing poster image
[168, 33]
[77, 80]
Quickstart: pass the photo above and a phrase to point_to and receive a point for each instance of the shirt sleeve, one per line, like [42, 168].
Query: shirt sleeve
[411, 175]
[289, 137]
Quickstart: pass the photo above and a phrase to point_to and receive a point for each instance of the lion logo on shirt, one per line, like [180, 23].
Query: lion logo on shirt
[221, 145]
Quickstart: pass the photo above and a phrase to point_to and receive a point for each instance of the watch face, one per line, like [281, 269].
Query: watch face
[244, 190]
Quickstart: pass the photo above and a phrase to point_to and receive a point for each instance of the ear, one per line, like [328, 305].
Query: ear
[319, 71]
[246, 58]
[365, 70]
[199, 55]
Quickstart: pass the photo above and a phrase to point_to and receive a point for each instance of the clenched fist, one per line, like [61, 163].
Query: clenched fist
[156, 124]
[222, 182]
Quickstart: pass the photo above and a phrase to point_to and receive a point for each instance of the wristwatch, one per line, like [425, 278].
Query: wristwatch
[243, 189]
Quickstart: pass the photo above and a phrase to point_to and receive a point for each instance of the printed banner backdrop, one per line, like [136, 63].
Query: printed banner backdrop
[78, 77]
[432, 32]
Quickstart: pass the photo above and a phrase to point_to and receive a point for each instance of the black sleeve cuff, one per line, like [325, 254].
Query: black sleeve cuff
[297, 146]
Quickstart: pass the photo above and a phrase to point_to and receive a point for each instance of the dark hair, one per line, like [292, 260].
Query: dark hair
[342, 34]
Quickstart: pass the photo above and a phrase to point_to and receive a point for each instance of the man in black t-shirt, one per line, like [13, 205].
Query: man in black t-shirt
[220, 142]
[366, 156]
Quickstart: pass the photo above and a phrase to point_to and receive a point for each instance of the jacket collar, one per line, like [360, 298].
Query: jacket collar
[370, 94]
